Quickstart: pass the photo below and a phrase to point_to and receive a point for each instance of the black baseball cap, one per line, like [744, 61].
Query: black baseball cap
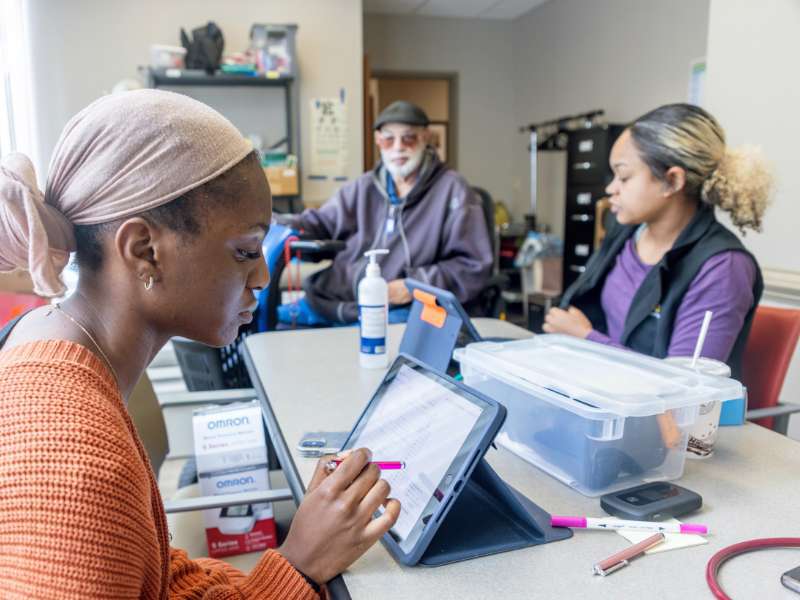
[402, 112]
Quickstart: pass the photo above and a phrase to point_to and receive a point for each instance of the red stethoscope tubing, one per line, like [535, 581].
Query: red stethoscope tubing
[716, 562]
[287, 257]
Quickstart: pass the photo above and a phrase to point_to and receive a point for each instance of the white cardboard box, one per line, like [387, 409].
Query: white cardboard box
[231, 454]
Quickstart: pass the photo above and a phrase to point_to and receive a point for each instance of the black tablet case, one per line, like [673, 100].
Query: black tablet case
[488, 517]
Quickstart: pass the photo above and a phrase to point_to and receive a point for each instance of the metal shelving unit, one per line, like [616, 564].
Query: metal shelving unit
[160, 78]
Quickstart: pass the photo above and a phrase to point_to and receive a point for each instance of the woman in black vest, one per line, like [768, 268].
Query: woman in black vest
[666, 260]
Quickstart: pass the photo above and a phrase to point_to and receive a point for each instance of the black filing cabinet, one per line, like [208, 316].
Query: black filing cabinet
[588, 174]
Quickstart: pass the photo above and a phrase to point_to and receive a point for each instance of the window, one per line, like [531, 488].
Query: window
[16, 123]
[6, 115]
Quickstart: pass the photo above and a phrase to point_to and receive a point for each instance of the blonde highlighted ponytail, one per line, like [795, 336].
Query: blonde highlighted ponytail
[741, 185]
[683, 135]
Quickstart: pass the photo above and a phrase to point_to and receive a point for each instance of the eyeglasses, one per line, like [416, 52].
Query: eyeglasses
[407, 140]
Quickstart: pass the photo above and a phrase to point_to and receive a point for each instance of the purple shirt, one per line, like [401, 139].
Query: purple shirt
[724, 285]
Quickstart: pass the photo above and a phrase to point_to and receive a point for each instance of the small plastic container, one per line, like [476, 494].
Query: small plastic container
[275, 50]
[598, 418]
[167, 57]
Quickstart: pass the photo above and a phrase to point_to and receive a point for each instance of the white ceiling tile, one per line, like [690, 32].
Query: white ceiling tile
[510, 9]
[392, 7]
[454, 8]
[464, 9]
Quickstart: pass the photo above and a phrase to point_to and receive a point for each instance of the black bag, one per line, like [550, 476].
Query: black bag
[204, 50]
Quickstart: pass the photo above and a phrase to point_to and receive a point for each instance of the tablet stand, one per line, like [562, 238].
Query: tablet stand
[489, 517]
[431, 332]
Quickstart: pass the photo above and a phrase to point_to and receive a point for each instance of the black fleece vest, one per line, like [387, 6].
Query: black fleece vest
[651, 318]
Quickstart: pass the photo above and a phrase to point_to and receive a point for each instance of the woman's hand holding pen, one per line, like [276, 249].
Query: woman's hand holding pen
[334, 524]
[571, 321]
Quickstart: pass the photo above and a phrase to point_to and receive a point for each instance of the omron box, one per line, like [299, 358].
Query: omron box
[598, 418]
[231, 457]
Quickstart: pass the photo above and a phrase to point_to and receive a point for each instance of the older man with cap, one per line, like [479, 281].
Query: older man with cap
[412, 204]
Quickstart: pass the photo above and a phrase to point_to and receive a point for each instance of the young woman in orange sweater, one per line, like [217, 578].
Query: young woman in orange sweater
[166, 206]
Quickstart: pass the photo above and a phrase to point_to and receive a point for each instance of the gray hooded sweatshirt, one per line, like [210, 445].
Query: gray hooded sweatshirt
[436, 234]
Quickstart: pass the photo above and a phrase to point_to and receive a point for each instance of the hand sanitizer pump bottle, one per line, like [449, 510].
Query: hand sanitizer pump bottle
[373, 309]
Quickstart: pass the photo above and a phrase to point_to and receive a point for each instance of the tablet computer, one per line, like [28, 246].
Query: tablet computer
[449, 302]
[440, 429]
[437, 323]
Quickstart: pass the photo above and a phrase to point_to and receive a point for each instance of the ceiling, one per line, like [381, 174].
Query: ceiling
[465, 9]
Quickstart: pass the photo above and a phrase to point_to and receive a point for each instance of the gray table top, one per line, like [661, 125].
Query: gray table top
[750, 488]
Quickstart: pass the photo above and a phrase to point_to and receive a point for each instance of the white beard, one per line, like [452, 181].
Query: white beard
[407, 168]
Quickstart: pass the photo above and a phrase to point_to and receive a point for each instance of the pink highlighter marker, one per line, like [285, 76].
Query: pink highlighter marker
[384, 465]
[615, 524]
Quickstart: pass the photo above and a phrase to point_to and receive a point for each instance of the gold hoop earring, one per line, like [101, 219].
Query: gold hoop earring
[149, 285]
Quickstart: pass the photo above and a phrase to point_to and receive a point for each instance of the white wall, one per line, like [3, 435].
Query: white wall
[566, 56]
[753, 88]
[479, 51]
[624, 56]
[81, 48]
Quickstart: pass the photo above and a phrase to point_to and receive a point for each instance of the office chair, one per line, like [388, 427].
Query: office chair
[767, 355]
[14, 304]
[206, 368]
[489, 302]
[266, 315]
[274, 247]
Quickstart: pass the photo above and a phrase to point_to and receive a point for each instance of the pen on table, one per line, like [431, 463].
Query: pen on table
[623, 558]
[384, 465]
[615, 524]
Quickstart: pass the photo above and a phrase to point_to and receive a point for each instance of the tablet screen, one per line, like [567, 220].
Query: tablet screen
[422, 419]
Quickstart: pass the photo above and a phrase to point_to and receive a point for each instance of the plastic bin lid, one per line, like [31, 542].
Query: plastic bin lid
[584, 374]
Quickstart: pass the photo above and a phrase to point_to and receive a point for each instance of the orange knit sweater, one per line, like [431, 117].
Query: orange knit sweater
[80, 512]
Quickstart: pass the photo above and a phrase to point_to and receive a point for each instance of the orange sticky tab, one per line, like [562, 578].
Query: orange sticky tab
[431, 313]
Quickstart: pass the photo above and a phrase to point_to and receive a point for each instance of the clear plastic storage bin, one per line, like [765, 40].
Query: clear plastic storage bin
[598, 418]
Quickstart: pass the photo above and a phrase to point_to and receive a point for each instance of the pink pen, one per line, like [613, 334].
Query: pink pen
[384, 465]
[615, 524]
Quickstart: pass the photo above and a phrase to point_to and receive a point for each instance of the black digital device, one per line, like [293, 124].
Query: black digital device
[653, 501]
[791, 579]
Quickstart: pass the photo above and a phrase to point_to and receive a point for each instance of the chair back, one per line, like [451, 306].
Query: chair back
[13, 304]
[206, 368]
[487, 204]
[266, 315]
[489, 302]
[767, 355]
[149, 421]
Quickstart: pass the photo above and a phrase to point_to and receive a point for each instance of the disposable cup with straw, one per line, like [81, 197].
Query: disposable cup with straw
[703, 434]
[701, 339]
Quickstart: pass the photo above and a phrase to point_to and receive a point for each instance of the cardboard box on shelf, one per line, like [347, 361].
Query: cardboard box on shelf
[283, 181]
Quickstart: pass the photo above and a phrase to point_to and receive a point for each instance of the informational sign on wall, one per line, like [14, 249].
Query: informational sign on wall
[329, 157]
[697, 81]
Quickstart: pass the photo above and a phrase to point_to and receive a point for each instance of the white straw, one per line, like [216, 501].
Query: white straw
[701, 339]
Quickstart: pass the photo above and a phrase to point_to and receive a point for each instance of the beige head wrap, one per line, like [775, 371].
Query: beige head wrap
[122, 155]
